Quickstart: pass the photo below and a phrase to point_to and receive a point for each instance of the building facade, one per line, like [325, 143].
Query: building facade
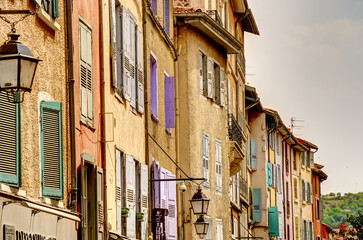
[318, 177]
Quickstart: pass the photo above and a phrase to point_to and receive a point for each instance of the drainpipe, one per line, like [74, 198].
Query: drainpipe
[103, 124]
[71, 94]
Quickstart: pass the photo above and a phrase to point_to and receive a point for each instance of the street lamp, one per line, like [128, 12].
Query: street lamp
[17, 67]
[199, 203]
[201, 227]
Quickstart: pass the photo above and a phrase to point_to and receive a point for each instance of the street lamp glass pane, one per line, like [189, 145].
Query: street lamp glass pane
[26, 73]
[205, 206]
[201, 227]
[197, 206]
[8, 73]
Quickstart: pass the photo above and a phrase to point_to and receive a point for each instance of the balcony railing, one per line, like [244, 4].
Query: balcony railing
[234, 130]
[241, 61]
[242, 121]
[243, 188]
[214, 14]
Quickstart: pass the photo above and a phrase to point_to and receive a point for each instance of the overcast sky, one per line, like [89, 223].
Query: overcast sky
[307, 63]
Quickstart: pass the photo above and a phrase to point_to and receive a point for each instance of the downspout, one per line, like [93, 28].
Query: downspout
[72, 120]
[103, 124]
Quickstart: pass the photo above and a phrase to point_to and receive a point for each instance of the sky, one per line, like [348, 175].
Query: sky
[307, 63]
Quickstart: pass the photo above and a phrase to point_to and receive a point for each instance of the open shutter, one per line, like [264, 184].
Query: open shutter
[273, 222]
[167, 16]
[163, 189]
[307, 235]
[100, 208]
[118, 191]
[140, 71]
[306, 191]
[222, 88]
[210, 77]
[133, 67]
[311, 159]
[154, 6]
[153, 87]
[51, 149]
[209, 235]
[311, 194]
[172, 223]
[218, 166]
[206, 159]
[219, 229]
[257, 215]
[126, 54]
[55, 9]
[321, 210]
[254, 154]
[144, 179]
[312, 231]
[130, 196]
[169, 102]
[303, 190]
[115, 37]
[9, 141]
[201, 71]
[156, 184]
[269, 177]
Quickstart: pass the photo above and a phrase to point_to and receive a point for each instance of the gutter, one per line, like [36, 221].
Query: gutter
[246, 13]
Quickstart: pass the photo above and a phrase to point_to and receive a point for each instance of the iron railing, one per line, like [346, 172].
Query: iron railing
[234, 130]
[241, 121]
[215, 16]
[241, 61]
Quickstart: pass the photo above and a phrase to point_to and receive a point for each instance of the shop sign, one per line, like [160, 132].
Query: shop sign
[11, 234]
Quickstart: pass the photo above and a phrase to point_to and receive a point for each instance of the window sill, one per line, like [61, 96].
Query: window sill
[118, 97]
[88, 125]
[155, 119]
[44, 16]
[13, 190]
[168, 131]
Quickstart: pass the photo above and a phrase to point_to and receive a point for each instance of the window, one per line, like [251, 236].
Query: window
[154, 6]
[169, 102]
[131, 196]
[205, 143]
[235, 229]
[254, 154]
[167, 16]
[219, 229]
[202, 59]
[86, 75]
[50, 6]
[153, 88]
[303, 190]
[127, 57]
[256, 196]
[294, 162]
[209, 235]
[273, 222]
[51, 149]
[297, 227]
[218, 161]
[10, 152]
[295, 188]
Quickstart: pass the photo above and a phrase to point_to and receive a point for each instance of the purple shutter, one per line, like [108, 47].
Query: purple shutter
[172, 228]
[167, 16]
[154, 6]
[153, 87]
[169, 102]
[156, 185]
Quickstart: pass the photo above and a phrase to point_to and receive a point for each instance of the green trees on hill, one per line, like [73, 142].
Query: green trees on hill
[337, 207]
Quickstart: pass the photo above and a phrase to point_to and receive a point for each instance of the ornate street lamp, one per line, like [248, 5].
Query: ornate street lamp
[199, 203]
[201, 227]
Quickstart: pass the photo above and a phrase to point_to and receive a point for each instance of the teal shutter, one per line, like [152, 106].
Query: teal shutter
[257, 215]
[273, 222]
[268, 174]
[51, 149]
[55, 9]
[254, 154]
[10, 152]
[248, 151]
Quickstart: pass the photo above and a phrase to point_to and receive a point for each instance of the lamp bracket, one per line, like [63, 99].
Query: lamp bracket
[12, 12]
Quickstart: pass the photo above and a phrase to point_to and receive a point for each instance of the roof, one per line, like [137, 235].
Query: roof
[308, 144]
[317, 170]
[252, 100]
[249, 23]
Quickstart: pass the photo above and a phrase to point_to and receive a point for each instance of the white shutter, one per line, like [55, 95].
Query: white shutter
[311, 193]
[306, 191]
[163, 188]
[140, 71]
[205, 143]
[130, 196]
[209, 235]
[118, 190]
[113, 43]
[200, 61]
[144, 179]
[238, 175]
[100, 203]
[132, 82]
[218, 166]
[126, 53]
[222, 87]
[312, 231]
[210, 77]
[219, 229]
[172, 224]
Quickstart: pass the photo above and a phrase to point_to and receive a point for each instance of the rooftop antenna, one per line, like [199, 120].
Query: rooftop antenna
[293, 124]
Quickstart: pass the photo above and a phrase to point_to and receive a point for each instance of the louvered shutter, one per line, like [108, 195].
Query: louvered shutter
[51, 149]
[144, 179]
[115, 37]
[140, 71]
[118, 191]
[55, 9]
[321, 210]
[219, 229]
[311, 193]
[269, 177]
[126, 54]
[163, 189]
[303, 190]
[306, 159]
[169, 102]
[209, 235]
[167, 16]
[307, 191]
[273, 175]
[254, 154]
[201, 71]
[130, 196]
[156, 184]
[307, 235]
[311, 159]
[303, 230]
[218, 166]
[210, 77]
[10, 151]
[154, 6]
[84, 196]
[206, 159]
[119, 46]
[133, 67]
[257, 215]
[172, 223]
[222, 88]
[312, 231]
[153, 87]
[100, 203]
[273, 222]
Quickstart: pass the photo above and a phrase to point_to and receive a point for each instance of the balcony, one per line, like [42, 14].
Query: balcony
[243, 188]
[215, 16]
[234, 130]
[236, 144]
[241, 62]
[242, 123]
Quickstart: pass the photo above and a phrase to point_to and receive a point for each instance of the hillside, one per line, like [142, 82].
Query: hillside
[337, 207]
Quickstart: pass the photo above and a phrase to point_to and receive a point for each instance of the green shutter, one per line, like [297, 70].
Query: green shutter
[51, 149]
[10, 152]
[268, 174]
[273, 222]
[254, 154]
[257, 215]
[55, 9]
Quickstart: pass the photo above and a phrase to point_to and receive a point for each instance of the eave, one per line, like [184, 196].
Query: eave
[252, 100]
[238, 6]
[209, 27]
[308, 144]
[249, 23]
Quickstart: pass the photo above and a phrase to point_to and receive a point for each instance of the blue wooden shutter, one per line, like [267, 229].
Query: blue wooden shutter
[268, 174]
[254, 154]
[55, 9]
[257, 215]
[154, 6]
[153, 87]
[273, 222]
[51, 149]
[169, 102]
[10, 152]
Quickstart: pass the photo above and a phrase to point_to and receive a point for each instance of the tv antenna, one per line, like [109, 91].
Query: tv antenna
[293, 124]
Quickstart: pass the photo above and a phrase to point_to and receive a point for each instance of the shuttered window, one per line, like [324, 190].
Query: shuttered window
[169, 102]
[269, 173]
[210, 77]
[219, 229]
[167, 16]
[295, 189]
[297, 228]
[311, 159]
[51, 149]
[303, 194]
[153, 87]
[256, 195]
[205, 150]
[100, 203]
[202, 62]
[171, 205]
[254, 154]
[50, 6]
[218, 167]
[139, 71]
[143, 201]
[273, 222]
[130, 196]
[10, 151]
[86, 75]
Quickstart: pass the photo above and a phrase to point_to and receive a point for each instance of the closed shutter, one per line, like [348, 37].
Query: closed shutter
[269, 177]
[222, 87]
[254, 154]
[133, 67]
[172, 224]
[321, 210]
[156, 184]
[307, 235]
[311, 193]
[154, 6]
[55, 9]
[153, 87]
[307, 190]
[303, 190]
[144, 180]
[273, 222]
[210, 77]
[130, 196]
[312, 231]
[115, 38]
[126, 54]
[51, 149]
[10, 151]
[205, 144]
[169, 102]
[219, 229]
[306, 159]
[209, 235]
[295, 188]
[163, 189]
[118, 191]
[201, 71]
[100, 203]
[297, 227]
[218, 167]
[303, 230]
[257, 215]
[167, 16]
[118, 65]
[140, 71]
[311, 159]
[248, 151]
[86, 75]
